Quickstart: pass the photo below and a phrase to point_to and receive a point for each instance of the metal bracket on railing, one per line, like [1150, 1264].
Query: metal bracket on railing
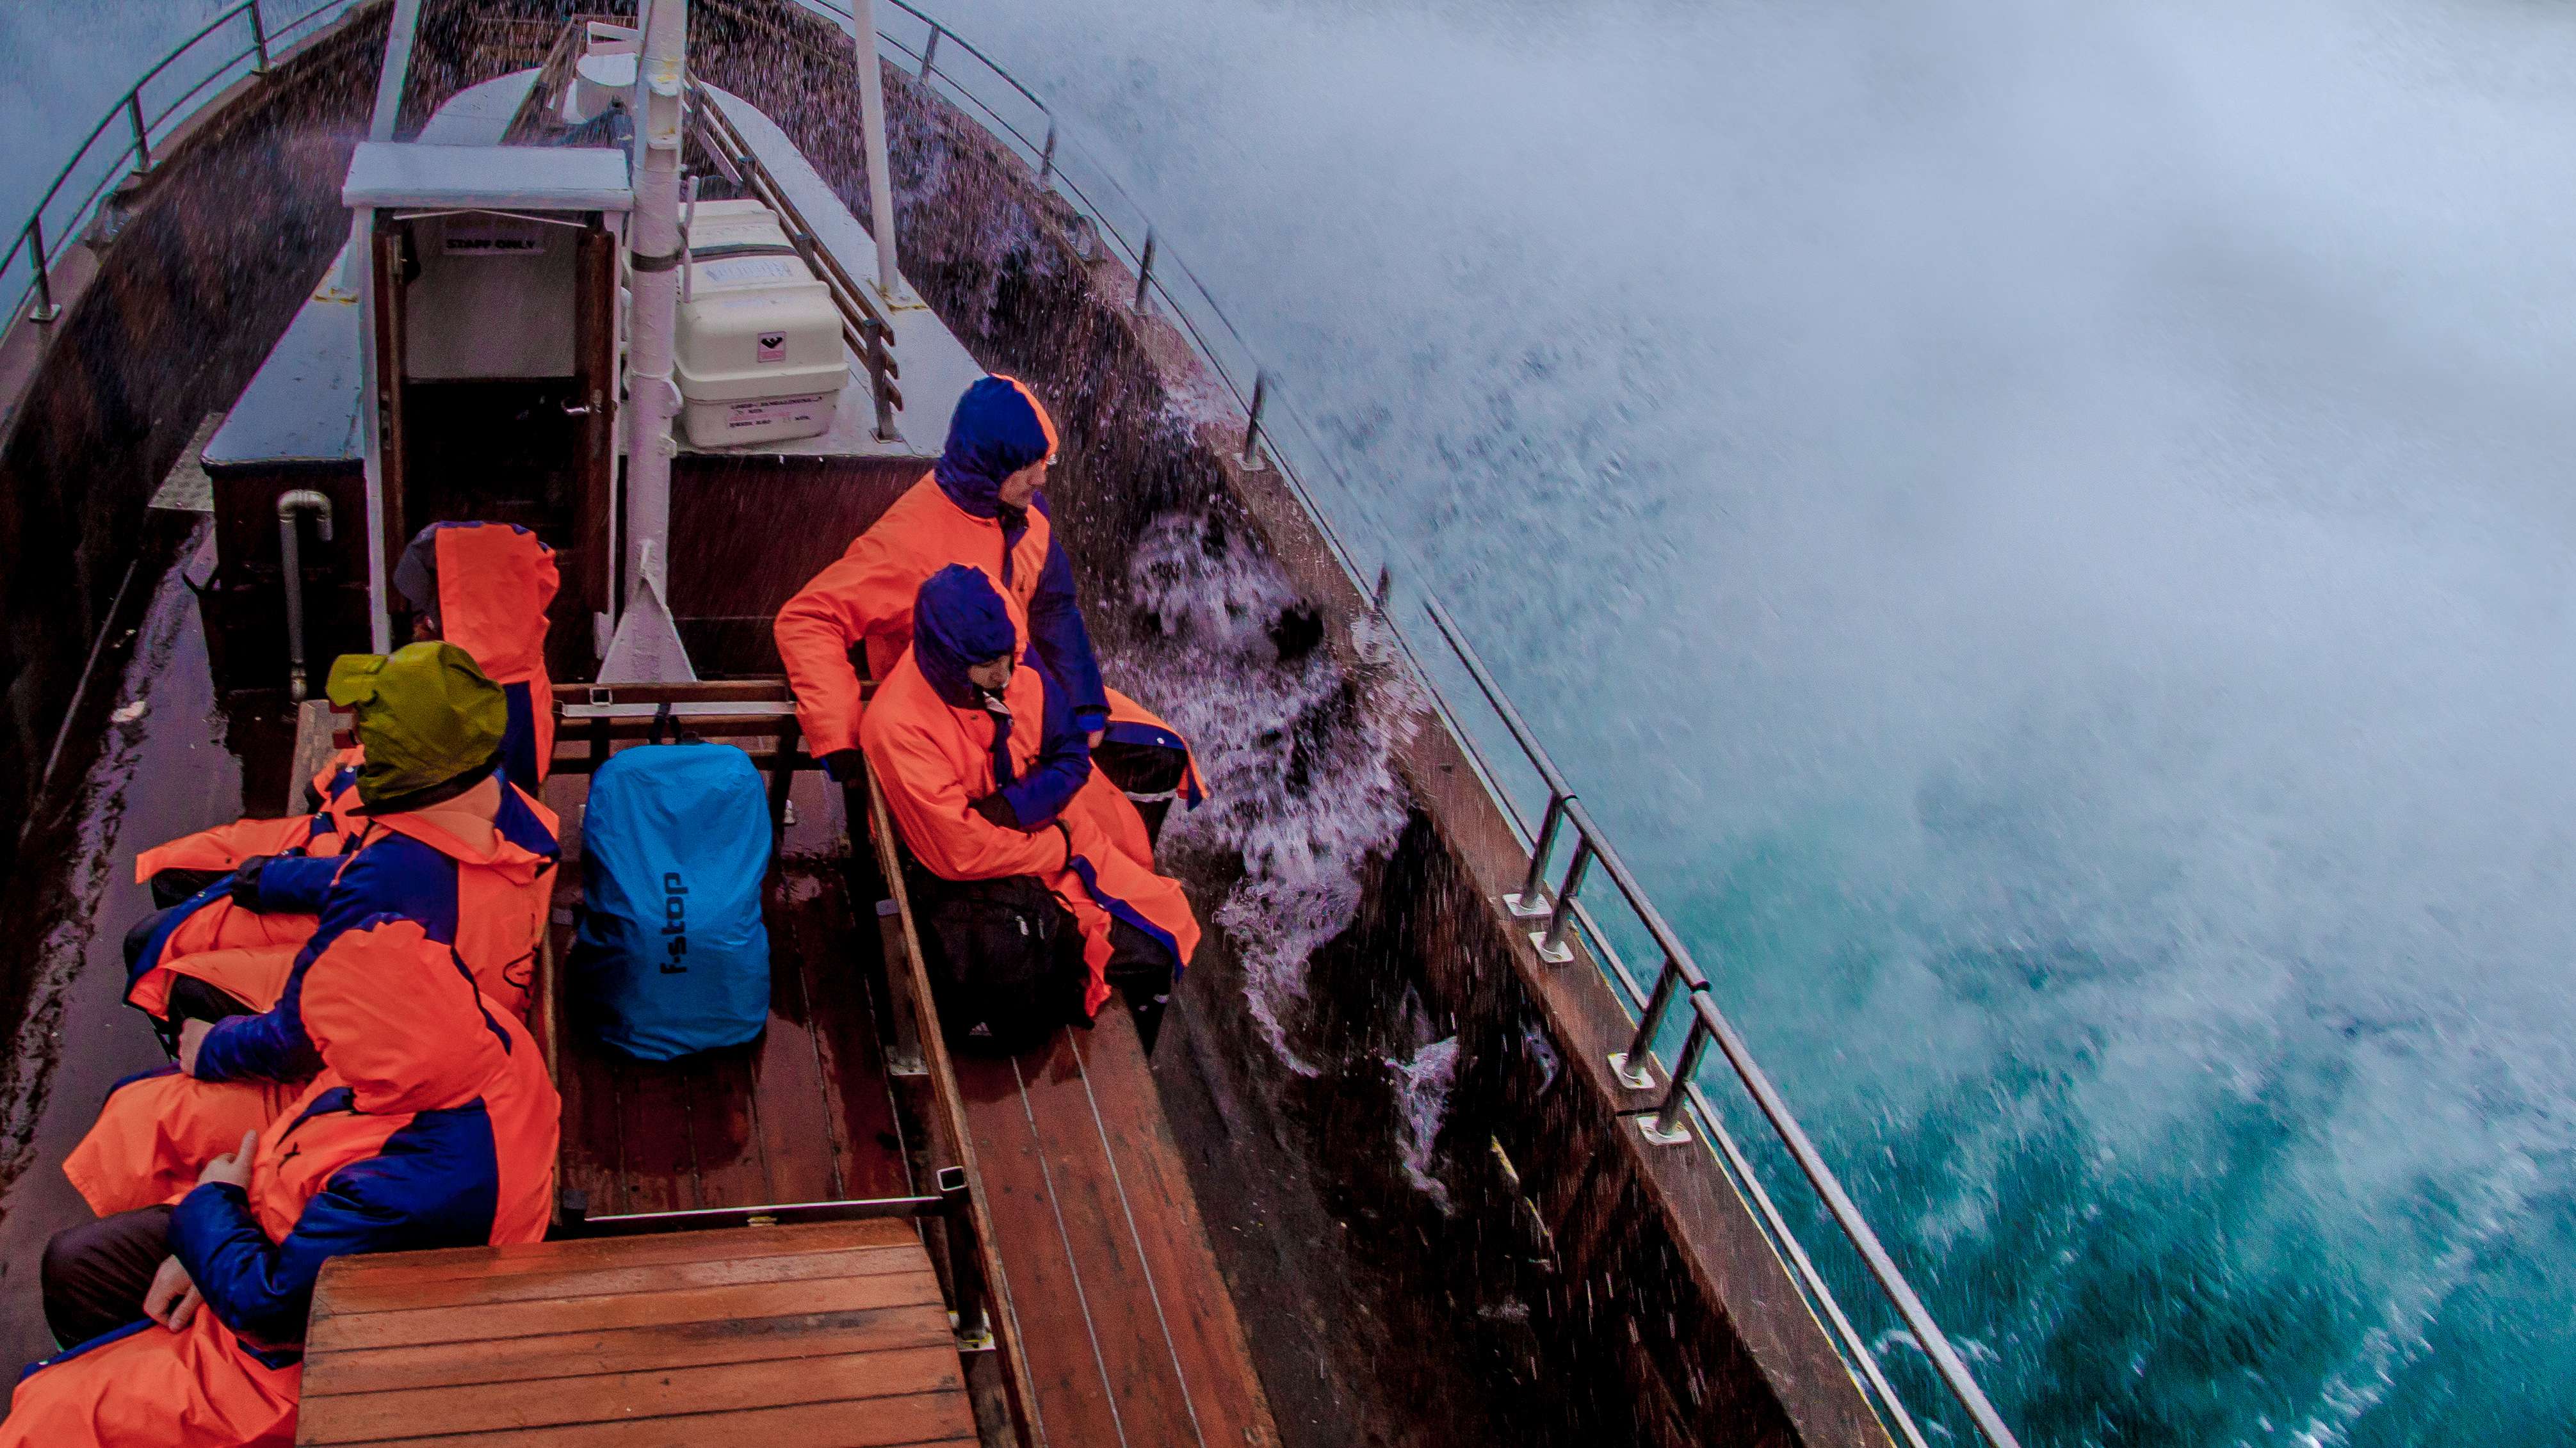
[1046, 157]
[258, 39]
[1551, 943]
[1144, 270]
[1530, 901]
[930, 50]
[1260, 397]
[45, 310]
[1636, 1067]
[142, 134]
[1667, 1127]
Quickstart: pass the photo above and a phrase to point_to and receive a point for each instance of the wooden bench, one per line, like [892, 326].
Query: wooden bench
[814, 1335]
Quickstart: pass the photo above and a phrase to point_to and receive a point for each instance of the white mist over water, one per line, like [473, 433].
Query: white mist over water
[2046, 532]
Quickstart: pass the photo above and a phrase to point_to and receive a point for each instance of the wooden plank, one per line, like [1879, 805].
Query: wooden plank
[928, 1420]
[591, 1314]
[590, 1280]
[868, 1133]
[1197, 1312]
[657, 1165]
[799, 1131]
[678, 1344]
[1048, 1302]
[732, 1169]
[747, 1242]
[621, 1398]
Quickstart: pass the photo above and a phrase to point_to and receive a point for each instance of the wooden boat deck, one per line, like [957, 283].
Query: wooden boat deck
[1128, 1330]
[825, 1334]
[802, 1114]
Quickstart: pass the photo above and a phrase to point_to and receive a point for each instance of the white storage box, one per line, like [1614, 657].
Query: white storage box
[759, 354]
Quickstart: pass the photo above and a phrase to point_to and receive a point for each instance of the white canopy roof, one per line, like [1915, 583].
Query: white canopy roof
[488, 178]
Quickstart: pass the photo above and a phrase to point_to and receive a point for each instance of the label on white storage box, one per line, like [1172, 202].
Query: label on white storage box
[752, 269]
[773, 347]
[770, 410]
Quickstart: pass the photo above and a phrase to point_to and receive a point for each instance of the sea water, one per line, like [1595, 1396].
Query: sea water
[2044, 531]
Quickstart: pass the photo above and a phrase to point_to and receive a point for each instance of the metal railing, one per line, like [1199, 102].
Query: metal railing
[1679, 990]
[151, 107]
[1678, 994]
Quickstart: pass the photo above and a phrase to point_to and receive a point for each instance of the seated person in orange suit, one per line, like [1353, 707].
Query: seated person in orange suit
[446, 842]
[431, 1124]
[982, 506]
[990, 782]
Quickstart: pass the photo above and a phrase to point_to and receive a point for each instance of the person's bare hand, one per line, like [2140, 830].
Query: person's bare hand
[233, 1167]
[192, 1035]
[172, 1299]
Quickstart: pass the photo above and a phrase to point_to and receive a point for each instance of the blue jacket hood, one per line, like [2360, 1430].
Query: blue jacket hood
[958, 621]
[997, 429]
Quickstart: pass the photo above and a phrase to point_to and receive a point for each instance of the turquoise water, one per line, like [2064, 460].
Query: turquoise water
[2045, 532]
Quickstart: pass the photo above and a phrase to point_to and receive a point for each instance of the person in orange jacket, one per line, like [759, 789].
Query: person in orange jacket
[178, 869]
[431, 1124]
[485, 587]
[983, 505]
[989, 779]
[446, 841]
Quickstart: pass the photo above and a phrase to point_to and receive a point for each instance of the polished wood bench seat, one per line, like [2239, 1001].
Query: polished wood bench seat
[813, 1335]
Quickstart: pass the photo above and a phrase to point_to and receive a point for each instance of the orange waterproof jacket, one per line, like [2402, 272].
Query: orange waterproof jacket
[432, 1124]
[935, 758]
[489, 901]
[494, 583]
[953, 515]
[224, 847]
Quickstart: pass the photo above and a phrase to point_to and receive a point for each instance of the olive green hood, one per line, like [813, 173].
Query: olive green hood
[429, 721]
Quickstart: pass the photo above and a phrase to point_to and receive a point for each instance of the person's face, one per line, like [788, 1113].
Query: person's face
[1023, 485]
[992, 676]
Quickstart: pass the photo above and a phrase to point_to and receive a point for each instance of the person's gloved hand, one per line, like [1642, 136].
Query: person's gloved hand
[997, 810]
[846, 766]
[245, 891]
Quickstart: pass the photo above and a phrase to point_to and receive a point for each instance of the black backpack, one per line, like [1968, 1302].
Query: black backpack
[1004, 958]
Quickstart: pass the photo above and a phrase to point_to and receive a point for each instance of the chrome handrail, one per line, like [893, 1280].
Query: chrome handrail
[1679, 982]
[29, 240]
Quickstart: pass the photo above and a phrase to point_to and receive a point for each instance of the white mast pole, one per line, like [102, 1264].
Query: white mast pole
[872, 121]
[651, 398]
[356, 275]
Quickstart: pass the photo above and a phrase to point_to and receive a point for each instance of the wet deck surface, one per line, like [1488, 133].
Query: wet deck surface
[828, 1334]
[801, 1114]
[1130, 1334]
[166, 773]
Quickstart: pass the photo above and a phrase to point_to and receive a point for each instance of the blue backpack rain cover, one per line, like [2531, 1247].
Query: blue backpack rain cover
[672, 956]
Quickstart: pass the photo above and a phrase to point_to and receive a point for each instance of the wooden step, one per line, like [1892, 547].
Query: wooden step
[824, 1334]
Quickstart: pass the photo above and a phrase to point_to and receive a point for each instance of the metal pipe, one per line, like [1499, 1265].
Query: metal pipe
[1531, 900]
[1635, 1066]
[258, 37]
[872, 124]
[45, 310]
[1144, 269]
[1046, 157]
[1667, 1128]
[1252, 429]
[689, 245]
[142, 137]
[1551, 945]
[290, 550]
[652, 400]
[929, 49]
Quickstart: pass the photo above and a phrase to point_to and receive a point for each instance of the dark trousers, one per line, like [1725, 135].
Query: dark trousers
[1140, 970]
[1148, 775]
[95, 1274]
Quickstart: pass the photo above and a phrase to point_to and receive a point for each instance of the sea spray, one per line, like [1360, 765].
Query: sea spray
[1296, 750]
[1422, 1084]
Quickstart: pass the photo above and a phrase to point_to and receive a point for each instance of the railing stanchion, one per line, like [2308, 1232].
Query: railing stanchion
[1144, 269]
[1635, 1066]
[930, 50]
[258, 38]
[142, 135]
[1046, 156]
[1551, 942]
[45, 310]
[1530, 901]
[1666, 1127]
[1252, 429]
